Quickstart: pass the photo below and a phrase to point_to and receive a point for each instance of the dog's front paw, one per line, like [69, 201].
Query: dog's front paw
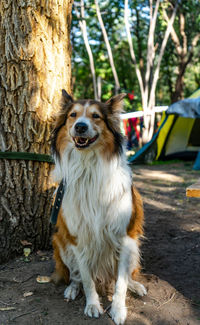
[93, 310]
[140, 290]
[118, 313]
[72, 291]
[137, 288]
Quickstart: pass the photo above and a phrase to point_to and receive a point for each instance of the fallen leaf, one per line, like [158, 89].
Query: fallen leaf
[44, 258]
[27, 252]
[43, 279]
[40, 253]
[25, 243]
[27, 294]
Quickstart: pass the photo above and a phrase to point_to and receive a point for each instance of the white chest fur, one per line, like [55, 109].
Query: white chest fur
[97, 203]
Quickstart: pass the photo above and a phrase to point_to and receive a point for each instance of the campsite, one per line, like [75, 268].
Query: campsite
[100, 162]
[178, 133]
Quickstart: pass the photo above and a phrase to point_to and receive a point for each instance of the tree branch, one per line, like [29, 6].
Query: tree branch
[195, 40]
[174, 36]
[151, 48]
[83, 27]
[193, 44]
[163, 46]
[117, 85]
[182, 31]
[133, 57]
[182, 51]
[139, 44]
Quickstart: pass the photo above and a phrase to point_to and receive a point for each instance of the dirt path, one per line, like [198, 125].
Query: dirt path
[171, 264]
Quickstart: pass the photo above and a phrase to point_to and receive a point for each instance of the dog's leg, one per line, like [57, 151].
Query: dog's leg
[93, 307]
[72, 291]
[129, 259]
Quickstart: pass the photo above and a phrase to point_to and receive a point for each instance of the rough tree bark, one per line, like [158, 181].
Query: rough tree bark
[34, 67]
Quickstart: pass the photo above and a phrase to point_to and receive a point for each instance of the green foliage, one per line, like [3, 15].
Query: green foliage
[113, 17]
[171, 63]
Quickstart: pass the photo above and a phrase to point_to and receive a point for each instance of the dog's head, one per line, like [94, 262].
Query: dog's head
[88, 125]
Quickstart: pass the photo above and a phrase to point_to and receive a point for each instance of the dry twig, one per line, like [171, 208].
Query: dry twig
[24, 314]
[166, 302]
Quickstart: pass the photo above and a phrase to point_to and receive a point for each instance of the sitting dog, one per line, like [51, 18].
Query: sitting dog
[101, 217]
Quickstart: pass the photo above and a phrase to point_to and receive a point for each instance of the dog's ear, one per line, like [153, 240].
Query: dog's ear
[113, 119]
[66, 103]
[115, 103]
[66, 97]
[60, 119]
[61, 116]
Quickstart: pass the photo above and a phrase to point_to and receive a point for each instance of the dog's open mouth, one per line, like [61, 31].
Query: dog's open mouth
[81, 142]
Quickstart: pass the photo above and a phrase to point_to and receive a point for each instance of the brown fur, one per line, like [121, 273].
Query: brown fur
[107, 146]
[135, 228]
[62, 140]
[61, 238]
[61, 271]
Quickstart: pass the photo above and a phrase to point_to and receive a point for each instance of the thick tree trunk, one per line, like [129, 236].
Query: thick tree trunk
[34, 67]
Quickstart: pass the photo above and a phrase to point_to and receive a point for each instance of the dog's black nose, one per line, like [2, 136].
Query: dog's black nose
[81, 127]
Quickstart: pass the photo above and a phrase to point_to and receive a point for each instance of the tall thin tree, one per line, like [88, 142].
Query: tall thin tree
[82, 22]
[184, 47]
[109, 50]
[149, 83]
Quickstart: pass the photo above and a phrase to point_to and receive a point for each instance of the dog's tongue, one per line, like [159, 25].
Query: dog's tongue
[82, 140]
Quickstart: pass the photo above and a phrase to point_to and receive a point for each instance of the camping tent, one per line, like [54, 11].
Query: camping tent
[178, 135]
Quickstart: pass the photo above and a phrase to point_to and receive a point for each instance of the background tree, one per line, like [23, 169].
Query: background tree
[185, 35]
[80, 13]
[148, 80]
[110, 55]
[82, 79]
[35, 65]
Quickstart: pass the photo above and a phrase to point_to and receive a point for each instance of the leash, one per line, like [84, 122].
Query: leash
[26, 156]
[57, 203]
[42, 158]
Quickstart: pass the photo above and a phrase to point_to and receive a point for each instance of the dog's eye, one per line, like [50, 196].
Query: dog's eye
[95, 115]
[73, 114]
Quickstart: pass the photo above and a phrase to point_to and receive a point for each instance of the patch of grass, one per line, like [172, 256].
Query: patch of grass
[164, 162]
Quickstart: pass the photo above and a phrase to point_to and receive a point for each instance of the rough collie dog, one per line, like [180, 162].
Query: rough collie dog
[101, 217]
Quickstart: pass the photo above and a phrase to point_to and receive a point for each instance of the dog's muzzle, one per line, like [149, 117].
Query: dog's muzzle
[82, 136]
[81, 128]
